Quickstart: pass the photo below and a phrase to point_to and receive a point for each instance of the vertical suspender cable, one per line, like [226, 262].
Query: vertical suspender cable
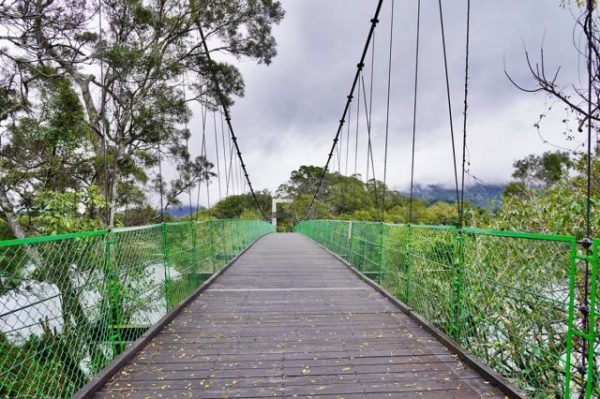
[359, 68]
[449, 104]
[466, 106]
[234, 168]
[590, 27]
[107, 200]
[348, 140]
[414, 126]
[369, 113]
[187, 146]
[239, 180]
[205, 156]
[224, 157]
[357, 129]
[587, 241]
[223, 102]
[160, 182]
[230, 174]
[338, 154]
[203, 114]
[217, 154]
[387, 109]
[370, 151]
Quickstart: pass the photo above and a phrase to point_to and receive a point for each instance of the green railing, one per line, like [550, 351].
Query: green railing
[70, 303]
[512, 299]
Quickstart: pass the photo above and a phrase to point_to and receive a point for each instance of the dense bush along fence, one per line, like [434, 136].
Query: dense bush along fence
[515, 300]
[70, 303]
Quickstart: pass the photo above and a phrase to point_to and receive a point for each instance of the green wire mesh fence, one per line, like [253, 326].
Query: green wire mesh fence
[515, 300]
[70, 303]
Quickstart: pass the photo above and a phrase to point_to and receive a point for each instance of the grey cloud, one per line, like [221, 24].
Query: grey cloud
[290, 111]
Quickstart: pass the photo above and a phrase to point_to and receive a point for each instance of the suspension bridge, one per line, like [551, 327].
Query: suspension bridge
[337, 309]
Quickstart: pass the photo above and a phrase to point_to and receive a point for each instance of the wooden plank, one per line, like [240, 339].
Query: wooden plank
[289, 320]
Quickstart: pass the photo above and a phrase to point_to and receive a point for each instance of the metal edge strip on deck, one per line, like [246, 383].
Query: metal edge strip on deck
[485, 371]
[96, 383]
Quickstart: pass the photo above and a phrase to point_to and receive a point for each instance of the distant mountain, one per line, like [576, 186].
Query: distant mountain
[482, 195]
[182, 211]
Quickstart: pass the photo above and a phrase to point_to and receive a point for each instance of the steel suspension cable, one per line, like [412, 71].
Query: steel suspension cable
[449, 99]
[359, 68]
[205, 156]
[203, 114]
[461, 210]
[217, 154]
[587, 241]
[348, 140]
[234, 169]
[187, 144]
[339, 154]
[221, 98]
[224, 156]
[590, 45]
[387, 107]
[239, 177]
[369, 112]
[101, 123]
[230, 173]
[370, 150]
[357, 129]
[414, 125]
[160, 182]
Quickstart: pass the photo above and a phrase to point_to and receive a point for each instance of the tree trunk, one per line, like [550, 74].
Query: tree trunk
[9, 214]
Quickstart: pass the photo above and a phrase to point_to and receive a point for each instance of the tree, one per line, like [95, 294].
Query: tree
[234, 206]
[127, 76]
[87, 115]
[305, 181]
[542, 170]
[574, 97]
[350, 198]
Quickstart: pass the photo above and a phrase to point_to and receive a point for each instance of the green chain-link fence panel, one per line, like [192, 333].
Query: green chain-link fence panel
[593, 377]
[70, 303]
[515, 300]
[515, 306]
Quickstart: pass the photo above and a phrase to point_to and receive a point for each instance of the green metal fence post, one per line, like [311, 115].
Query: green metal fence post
[363, 243]
[349, 243]
[571, 318]
[591, 333]
[192, 275]
[408, 266]
[114, 292]
[225, 241]
[165, 248]
[456, 284]
[382, 252]
[211, 254]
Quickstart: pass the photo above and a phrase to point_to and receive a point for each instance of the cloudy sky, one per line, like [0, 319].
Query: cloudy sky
[291, 108]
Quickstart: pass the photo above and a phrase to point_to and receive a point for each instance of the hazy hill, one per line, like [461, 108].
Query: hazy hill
[183, 211]
[481, 195]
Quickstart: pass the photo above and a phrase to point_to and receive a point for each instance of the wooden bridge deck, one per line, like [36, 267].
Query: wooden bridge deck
[289, 320]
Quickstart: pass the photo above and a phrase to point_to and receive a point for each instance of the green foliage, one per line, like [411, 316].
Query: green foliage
[138, 216]
[505, 297]
[65, 116]
[542, 170]
[234, 206]
[556, 207]
[108, 283]
[249, 214]
[350, 198]
[61, 135]
[66, 212]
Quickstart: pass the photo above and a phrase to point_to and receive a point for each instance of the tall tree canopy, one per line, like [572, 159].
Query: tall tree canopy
[91, 91]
